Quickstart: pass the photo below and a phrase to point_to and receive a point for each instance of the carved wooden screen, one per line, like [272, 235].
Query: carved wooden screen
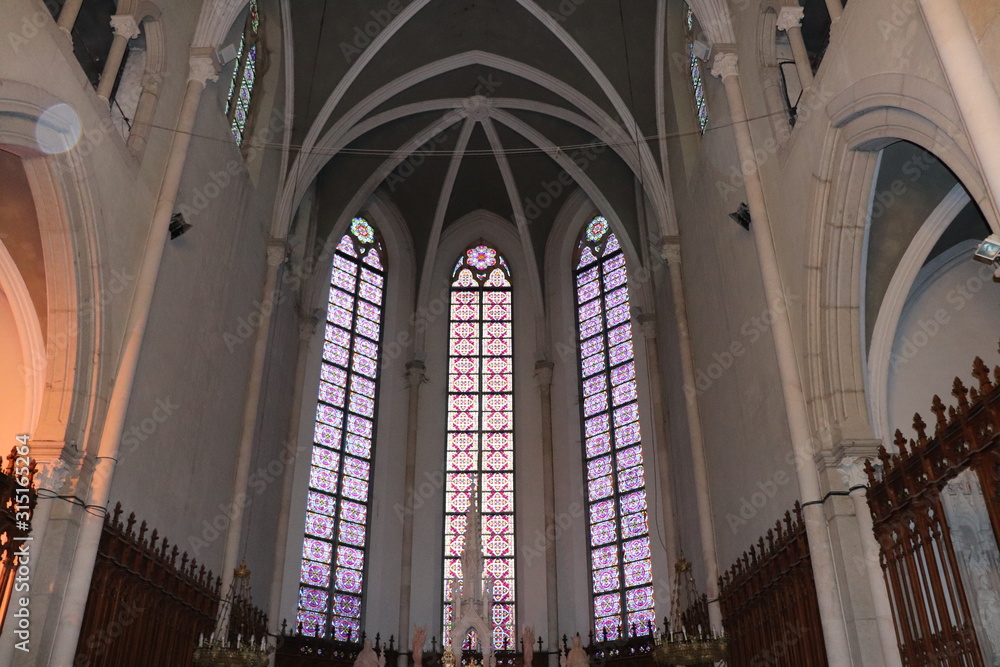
[934, 625]
[768, 600]
[144, 607]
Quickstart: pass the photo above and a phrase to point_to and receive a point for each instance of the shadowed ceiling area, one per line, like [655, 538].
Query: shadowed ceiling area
[450, 106]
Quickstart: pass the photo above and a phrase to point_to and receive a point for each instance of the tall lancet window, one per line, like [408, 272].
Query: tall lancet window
[480, 456]
[334, 549]
[700, 103]
[244, 75]
[621, 571]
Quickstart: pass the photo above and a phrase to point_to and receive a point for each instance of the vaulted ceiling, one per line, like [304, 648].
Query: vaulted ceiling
[448, 106]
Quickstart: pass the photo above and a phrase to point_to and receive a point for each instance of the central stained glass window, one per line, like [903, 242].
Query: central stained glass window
[331, 578]
[620, 566]
[480, 452]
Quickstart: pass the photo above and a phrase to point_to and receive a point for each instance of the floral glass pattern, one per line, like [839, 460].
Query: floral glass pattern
[244, 76]
[694, 65]
[615, 480]
[333, 554]
[480, 448]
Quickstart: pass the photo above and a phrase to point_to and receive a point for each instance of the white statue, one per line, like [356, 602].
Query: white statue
[419, 637]
[528, 645]
[577, 656]
[368, 658]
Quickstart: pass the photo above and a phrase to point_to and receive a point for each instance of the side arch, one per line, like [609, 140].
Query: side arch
[59, 184]
[868, 116]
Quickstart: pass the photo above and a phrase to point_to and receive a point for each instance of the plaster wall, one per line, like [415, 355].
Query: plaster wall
[742, 410]
[182, 428]
[950, 317]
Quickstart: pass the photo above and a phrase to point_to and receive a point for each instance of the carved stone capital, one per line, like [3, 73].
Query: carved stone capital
[670, 250]
[124, 25]
[151, 83]
[849, 456]
[307, 325]
[415, 372]
[852, 471]
[647, 321]
[277, 251]
[204, 65]
[543, 371]
[726, 64]
[52, 475]
[790, 17]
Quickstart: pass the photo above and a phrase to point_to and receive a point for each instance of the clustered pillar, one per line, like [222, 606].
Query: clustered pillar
[820, 548]
[204, 66]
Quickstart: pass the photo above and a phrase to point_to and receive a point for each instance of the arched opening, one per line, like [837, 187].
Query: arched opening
[927, 305]
[23, 303]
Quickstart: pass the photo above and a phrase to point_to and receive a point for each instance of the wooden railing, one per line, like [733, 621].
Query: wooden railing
[297, 650]
[14, 498]
[144, 607]
[929, 604]
[768, 600]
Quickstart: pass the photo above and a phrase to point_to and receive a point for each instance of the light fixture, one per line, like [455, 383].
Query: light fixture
[702, 644]
[742, 216]
[178, 225]
[989, 250]
[234, 642]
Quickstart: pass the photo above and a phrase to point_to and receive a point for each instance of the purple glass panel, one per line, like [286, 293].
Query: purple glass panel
[317, 550]
[315, 574]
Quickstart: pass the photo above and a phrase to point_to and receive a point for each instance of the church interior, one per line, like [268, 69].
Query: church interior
[499, 332]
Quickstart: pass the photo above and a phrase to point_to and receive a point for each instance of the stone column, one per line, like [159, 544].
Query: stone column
[856, 479]
[144, 112]
[647, 321]
[670, 251]
[836, 10]
[203, 67]
[125, 29]
[307, 327]
[415, 377]
[67, 16]
[276, 252]
[543, 371]
[790, 20]
[972, 86]
[820, 549]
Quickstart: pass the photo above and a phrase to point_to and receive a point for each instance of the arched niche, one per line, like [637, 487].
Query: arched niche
[49, 273]
[865, 118]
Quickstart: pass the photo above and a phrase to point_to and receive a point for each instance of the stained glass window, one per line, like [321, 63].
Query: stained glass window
[701, 106]
[480, 451]
[244, 75]
[333, 552]
[621, 570]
